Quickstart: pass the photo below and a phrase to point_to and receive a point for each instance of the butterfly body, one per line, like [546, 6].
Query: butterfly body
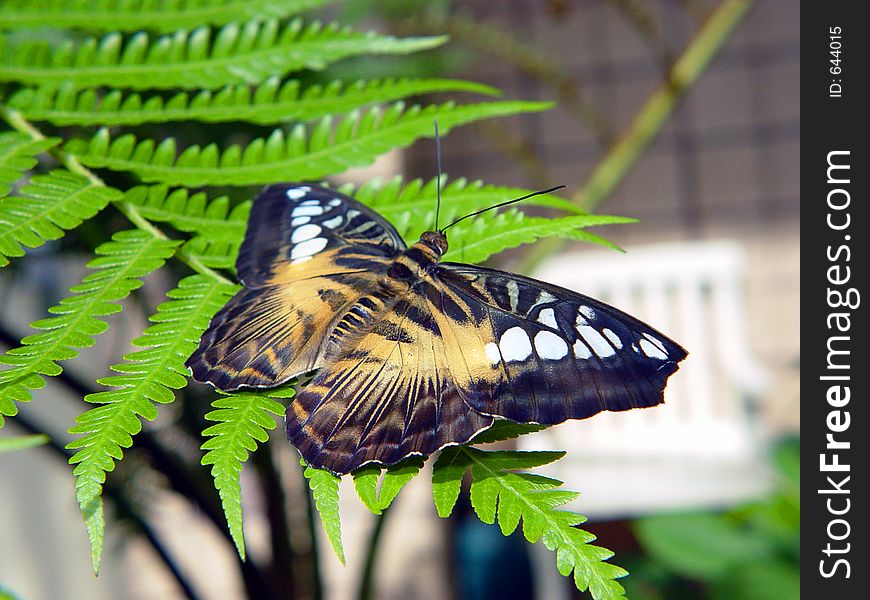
[413, 354]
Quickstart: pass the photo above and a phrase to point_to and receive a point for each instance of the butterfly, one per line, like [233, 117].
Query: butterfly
[411, 354]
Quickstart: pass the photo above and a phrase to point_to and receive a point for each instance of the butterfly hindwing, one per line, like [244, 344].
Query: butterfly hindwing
[309, 254]
[388, 397]
[551, 354]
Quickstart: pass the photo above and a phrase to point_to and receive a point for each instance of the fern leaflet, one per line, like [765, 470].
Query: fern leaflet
[21, 442]
[119, 267]
[268, 103]
[324, 489]
[243, 420]
[47, 208]
[395, 477]
[148, 375]
[477, 239]
[355, 141]
[18, 154]
[500, 494]
[204, 58]
[133, 15]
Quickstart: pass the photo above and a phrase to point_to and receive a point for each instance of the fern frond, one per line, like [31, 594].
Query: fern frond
[204, 58]
[498, 493]
[18, 153]
[324, 489]
[269, 103]
[477, 239]
[148, 375]
[47, 208]
[243, 420]
[118, 269]
[133, 15]
[191, 213]
[328, 148]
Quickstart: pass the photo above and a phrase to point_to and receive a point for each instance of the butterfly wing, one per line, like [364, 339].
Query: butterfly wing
[388, 396]
[309, 254]
[545, 354]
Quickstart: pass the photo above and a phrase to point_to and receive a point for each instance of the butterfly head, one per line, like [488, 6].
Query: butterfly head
[436, 242]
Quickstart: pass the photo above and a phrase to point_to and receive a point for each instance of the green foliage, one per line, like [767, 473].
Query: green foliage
[498, 493]
[304, 153]
[135, 65]
[48, 207]
[18, 153]
[243, 420]
[270, 102]
[22, 442]
[202, 58]
[118, 270]
[748, 553]
[133, 15]
[324, 489]
[148, 375]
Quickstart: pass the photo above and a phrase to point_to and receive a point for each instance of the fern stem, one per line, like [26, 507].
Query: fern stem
[130, 211]
[648, 122]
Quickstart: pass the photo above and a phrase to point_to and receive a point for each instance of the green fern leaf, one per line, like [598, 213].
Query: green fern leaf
[267, 104]
[47, 208]
[500, 494]
[127, 15]
[204, 58]
[191, 213]
[395, 477]
[503, 429]
[324, 488]
[243, 421]
[356, 141]
[477, 239]
[447, 476]
[119, 267]
[147, 376]
[18, 154]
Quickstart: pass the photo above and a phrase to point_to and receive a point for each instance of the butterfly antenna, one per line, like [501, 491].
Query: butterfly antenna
[500, 204]
[437, 176]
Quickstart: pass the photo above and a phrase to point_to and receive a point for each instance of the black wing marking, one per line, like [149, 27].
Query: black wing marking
[291, 223]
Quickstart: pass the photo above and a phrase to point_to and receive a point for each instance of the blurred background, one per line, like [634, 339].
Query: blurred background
[699, 497]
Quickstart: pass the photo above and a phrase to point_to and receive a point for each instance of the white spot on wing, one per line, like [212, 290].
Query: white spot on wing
[335, 202]
[614, 339]
[493, 354]
[513, 294]
[656, 341]
[587, 312]
[297, 221]
[310, 203]
[296, 193]
[333, 222]
[515, 345]
[548, 318]
[308, 248]
[307, 211]
[596, 341]
[305, 232]
[652, 350]
[581, 350]
[550, 346]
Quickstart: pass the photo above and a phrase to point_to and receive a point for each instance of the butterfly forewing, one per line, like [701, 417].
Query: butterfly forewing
[309, 254]
[551, 354]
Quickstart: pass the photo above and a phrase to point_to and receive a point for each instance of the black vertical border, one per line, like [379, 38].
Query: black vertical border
[833, 124]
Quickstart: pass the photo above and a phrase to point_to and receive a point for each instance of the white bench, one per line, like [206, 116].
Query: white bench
[703, 447]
